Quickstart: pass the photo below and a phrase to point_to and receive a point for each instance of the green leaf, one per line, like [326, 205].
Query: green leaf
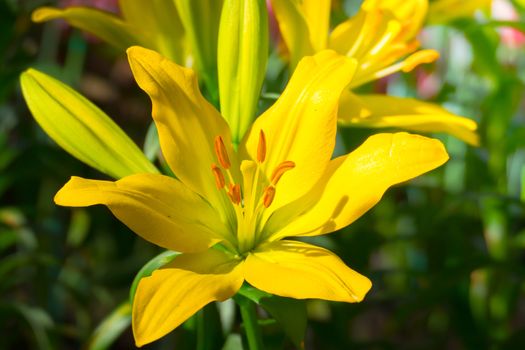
[81, 128]
[146, 270]
[38, 320]
[79, 227]
[523, 183]
[290, 313]
[513, 24]
[111, 328]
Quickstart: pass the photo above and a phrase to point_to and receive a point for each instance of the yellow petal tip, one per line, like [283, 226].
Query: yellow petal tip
[43, 14]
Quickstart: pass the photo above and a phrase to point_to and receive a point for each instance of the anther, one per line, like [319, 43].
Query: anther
[261, 147]
[222, 155]
[234, 193]
[268, 196]
[281, 169]
[219, 177]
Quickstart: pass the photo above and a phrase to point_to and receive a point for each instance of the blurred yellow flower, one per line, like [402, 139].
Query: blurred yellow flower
[185, 31]
[382, 38]
[440, 10]
[230, 212]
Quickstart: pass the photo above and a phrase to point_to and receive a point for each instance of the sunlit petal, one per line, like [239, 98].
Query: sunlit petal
[158, 25]
[411, 13]
[303, 271]
[103, 24]
[294, 29]
[187, 123]
[381, 111]
[181, 288]
[158, 208]
[356, 182]
[300, 127]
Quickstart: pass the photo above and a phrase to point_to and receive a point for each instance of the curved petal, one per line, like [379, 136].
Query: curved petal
[181, 288]
[411, 13]
[380, 111]
[156, 207]
[158, 24]
[356, 182]
[301, 126]
[378, 40]
[303, 271]
[105, 25]
[81, 128]
[294, 28]
[187, 123]
[317, 15]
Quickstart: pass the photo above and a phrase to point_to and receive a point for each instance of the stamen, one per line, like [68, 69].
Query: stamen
[234, 193]
[220, 151]
[268, 196]
[280, 170]
[219, 177]
[261, 147]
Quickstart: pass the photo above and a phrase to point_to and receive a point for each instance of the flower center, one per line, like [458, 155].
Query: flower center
[256, 194]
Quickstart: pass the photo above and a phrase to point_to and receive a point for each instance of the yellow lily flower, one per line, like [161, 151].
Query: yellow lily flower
[382, 38]
[155, 24]
[183, 30]
[231, 213]
[439, 10]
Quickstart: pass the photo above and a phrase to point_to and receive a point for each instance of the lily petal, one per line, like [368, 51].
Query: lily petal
[300, 127]
[158, 25]
[181, 288]
[380, 111]
[356, 182]
[294, 29]
[378, 40]
[187, 123]
[317, 15]
[411, 13]
[80, 128]
[303, 271]
[104, 25]
[156, 207]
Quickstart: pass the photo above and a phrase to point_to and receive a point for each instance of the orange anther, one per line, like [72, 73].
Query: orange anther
[261, 147]
[222, 155]
[219, 177]
[235, 193]
[268, 196]
[281, 169]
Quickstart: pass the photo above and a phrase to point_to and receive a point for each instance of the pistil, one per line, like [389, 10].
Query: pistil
[249, 206]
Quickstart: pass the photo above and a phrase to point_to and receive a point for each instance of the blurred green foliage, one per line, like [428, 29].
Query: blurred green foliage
[445, 252]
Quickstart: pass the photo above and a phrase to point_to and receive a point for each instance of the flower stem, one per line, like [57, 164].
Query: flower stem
[249, 317]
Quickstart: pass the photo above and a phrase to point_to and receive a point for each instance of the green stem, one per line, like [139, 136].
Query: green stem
[249, 317]
[201, 330]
